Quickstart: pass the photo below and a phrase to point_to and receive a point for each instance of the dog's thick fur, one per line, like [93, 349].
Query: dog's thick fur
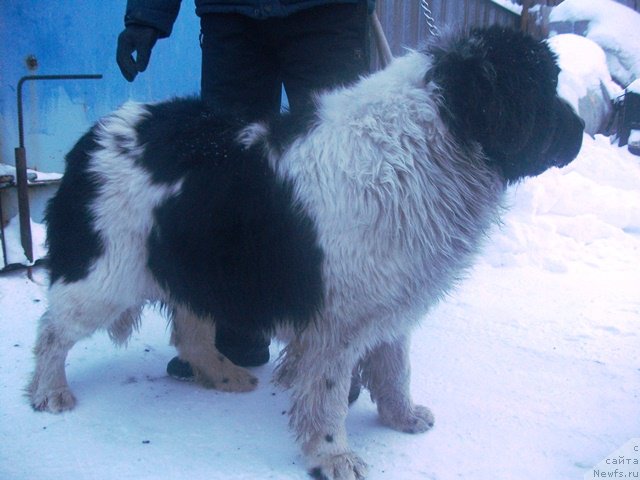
[338, 229]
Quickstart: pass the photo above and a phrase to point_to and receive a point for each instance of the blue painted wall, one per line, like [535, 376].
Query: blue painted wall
[68, 37]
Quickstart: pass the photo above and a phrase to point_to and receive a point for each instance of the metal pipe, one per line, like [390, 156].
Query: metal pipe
[24, 213]
[22, 184]
[43, 77]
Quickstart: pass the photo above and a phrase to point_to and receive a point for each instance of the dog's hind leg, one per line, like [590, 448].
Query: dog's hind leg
[72, 315]
[386, 373]
[194, 337]
[48, 389]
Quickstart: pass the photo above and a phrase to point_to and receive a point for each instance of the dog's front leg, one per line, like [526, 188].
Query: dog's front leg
[319, 393]
[386, 372]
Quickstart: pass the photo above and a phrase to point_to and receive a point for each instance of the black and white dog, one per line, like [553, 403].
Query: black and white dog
[337, 230]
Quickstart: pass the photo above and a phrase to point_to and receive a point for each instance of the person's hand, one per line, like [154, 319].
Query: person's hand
[135, 38]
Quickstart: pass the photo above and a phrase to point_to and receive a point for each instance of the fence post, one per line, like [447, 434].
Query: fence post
[524, 16]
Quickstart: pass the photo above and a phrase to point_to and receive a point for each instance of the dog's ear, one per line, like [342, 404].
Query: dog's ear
[482, 84]
[469, 86]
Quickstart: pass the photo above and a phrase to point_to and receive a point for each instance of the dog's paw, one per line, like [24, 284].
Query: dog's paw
[54, 401]
[417, 419]
[230, 378]
[345, 466]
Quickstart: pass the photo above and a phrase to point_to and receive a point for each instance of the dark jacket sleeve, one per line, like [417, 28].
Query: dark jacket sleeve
[159, 14]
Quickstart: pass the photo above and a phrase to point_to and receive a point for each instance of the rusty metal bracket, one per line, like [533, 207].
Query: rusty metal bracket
[22, 184]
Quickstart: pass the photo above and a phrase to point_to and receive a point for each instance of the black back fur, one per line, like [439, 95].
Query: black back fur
[240, 249]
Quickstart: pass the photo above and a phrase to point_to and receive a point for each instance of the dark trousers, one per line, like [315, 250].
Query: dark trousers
[245, 63]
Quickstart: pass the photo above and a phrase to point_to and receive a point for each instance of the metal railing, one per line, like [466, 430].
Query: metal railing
[22, 184]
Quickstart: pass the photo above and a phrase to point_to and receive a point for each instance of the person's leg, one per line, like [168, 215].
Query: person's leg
[243, 347]
[323, 47]
[240, 79]
[240, 76]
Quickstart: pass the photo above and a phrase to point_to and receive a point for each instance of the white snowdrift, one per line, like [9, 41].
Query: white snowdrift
[584, 80]
[613, 26]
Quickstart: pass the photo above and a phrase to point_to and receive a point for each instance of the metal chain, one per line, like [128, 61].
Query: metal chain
[431, 23]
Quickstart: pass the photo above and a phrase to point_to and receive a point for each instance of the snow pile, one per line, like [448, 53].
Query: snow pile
[14, 252]
[509, 5]
[8, 173]
[613, 26]
[584, 80]
[575, 214]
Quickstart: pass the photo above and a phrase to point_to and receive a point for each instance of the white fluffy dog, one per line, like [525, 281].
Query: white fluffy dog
[337, 229]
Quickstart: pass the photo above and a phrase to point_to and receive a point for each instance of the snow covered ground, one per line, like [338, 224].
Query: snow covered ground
[532, 366]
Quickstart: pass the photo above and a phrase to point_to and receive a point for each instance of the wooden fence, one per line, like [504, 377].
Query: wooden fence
[405, 24]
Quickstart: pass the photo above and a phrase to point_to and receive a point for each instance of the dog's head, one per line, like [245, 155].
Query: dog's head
[498, 88]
